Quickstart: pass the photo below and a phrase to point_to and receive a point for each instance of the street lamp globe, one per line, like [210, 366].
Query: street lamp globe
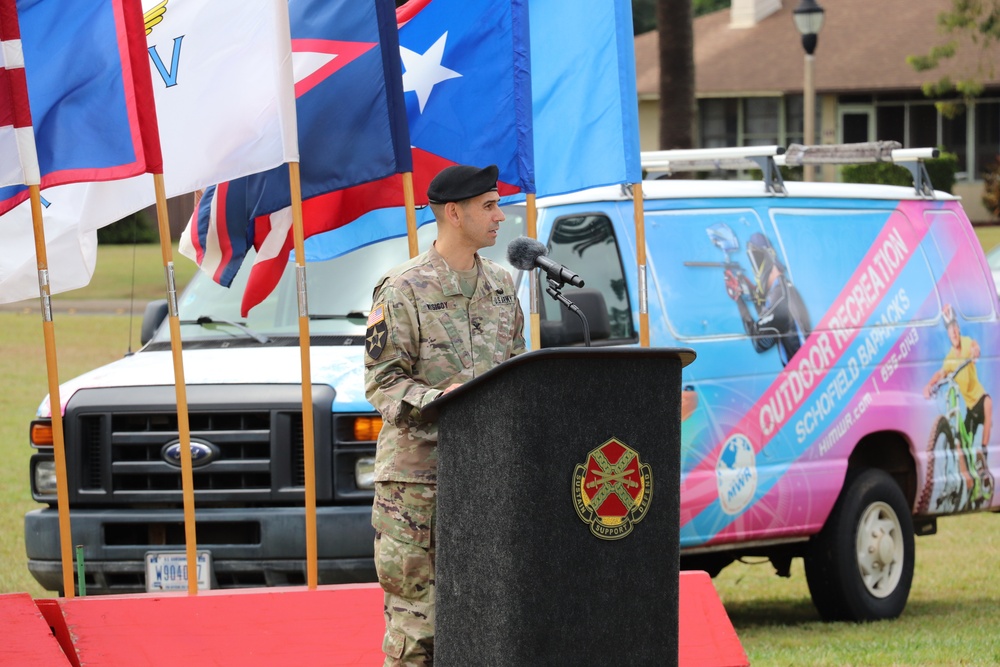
[808, 17]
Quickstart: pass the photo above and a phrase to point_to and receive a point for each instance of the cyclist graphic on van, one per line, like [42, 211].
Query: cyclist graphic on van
[782, 318]
[958, 475]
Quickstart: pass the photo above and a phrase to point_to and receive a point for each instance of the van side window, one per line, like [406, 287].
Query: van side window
[856, 268]
[967, 285]
[700, 251]
[587, 244]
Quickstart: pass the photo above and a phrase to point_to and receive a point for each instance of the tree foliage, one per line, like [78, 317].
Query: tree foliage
[941, 171]
[135, 228]
[979, 20]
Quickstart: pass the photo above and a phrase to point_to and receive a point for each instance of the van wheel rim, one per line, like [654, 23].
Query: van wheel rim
[880, 549]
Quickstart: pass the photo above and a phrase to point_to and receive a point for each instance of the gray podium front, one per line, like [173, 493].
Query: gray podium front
[558, 510]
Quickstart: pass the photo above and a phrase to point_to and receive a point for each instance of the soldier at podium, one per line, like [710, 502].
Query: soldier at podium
[437, 320]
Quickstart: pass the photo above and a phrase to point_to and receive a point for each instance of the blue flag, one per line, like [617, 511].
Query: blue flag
[89, 90]
[586, 108]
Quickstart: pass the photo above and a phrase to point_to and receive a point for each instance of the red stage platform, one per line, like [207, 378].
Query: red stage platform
[332, 625]
[27, 639]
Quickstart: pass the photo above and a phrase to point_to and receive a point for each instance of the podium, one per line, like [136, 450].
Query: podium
[558, 510]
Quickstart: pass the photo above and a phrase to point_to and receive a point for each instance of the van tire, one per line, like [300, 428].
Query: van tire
[869, 530]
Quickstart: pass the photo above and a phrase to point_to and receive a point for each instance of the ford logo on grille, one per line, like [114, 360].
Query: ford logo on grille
[202, 453]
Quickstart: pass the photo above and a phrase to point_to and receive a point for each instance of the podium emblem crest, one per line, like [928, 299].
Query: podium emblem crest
[612, 490]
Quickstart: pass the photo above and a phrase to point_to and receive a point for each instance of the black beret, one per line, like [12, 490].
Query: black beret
[460, 182]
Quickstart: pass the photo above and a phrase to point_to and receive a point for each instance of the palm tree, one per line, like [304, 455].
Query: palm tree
[676, 73]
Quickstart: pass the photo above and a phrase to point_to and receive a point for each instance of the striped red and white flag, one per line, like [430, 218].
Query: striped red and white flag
[18, 160]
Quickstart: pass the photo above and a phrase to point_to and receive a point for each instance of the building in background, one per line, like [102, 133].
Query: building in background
[749, 75]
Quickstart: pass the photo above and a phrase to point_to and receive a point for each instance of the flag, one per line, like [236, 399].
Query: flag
[18, 161]
[467, 92]
[222, 81]
[91, 106]
[584, 108]
[352, 129]
[223, 74]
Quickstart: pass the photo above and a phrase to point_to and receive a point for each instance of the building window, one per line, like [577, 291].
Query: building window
[760, 121]
[794, 114]
[953, 134]
[923, 126]
[908, 118]
[890, 123]
[718, 120]
[987, 136]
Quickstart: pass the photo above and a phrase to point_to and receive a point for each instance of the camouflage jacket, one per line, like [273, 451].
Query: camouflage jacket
[423, 336]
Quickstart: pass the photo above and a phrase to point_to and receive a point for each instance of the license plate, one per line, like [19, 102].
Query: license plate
[168, 571]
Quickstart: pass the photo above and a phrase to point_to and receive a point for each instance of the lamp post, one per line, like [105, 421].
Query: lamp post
[808, 18]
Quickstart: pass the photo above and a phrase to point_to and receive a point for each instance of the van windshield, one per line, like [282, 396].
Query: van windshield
[339, 293]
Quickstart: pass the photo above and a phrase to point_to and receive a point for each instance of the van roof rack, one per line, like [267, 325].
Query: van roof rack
[865, 153]
[769, 158]
[716, 159]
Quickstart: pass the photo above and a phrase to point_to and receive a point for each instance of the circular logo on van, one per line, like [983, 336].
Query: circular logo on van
[736, 474]
[202, 453]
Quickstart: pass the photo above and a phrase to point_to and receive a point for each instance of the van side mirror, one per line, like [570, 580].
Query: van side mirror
[569, 330]
[156, 312]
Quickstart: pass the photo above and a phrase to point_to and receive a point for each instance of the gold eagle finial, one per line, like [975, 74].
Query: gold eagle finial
[154, 15]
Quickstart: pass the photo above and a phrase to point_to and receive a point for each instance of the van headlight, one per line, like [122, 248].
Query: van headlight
[364, 472]
[45, 478]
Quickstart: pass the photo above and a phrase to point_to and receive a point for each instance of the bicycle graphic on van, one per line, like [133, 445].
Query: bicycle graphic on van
[958, 474]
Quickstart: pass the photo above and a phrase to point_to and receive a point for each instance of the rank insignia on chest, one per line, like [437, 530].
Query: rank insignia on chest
[377, 332]
[612, 490]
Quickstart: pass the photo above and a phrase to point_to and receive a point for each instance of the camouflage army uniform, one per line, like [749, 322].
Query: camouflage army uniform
[423, 335]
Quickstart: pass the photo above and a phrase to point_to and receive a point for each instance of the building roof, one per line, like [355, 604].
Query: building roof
[861, 47]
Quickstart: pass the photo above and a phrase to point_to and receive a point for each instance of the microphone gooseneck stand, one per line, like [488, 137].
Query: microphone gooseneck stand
[554, 290]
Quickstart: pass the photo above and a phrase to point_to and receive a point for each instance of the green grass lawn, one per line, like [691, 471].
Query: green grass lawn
[122, 270]
[949, 620]
[989, 236]
[82, 343]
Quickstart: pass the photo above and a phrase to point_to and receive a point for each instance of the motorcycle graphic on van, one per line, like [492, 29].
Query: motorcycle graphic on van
[958, 476]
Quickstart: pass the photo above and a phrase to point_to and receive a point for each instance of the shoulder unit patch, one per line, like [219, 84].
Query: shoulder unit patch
[377, 332]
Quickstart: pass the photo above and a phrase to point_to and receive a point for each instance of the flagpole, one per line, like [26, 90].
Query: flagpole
[55, 403]
[640, 252]
[535, 317]
[308, 442]
[411, 213]
[183, 429]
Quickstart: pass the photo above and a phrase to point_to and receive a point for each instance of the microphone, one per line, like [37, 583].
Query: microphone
[525, 254]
